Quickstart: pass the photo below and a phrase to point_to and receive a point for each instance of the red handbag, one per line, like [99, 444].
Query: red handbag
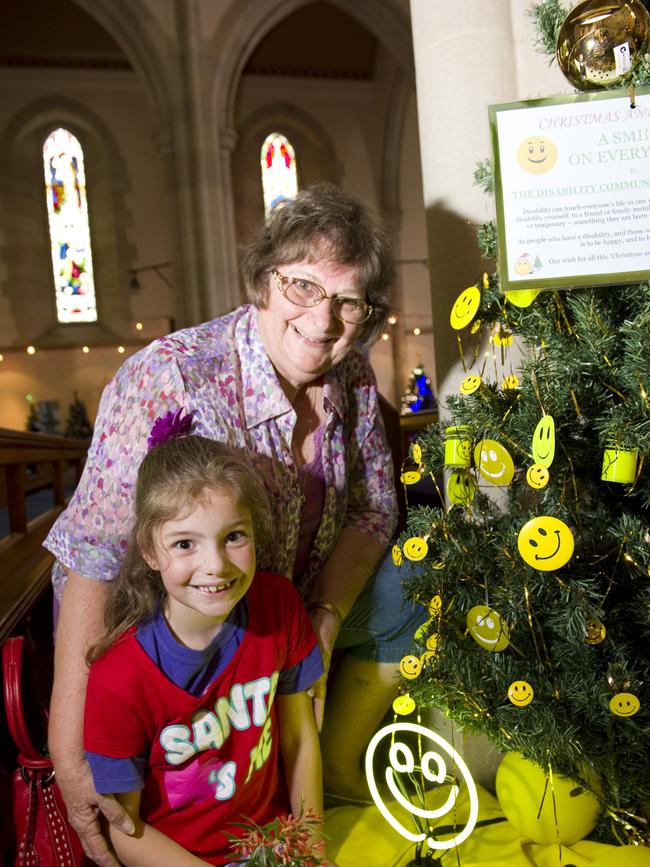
[39, 832]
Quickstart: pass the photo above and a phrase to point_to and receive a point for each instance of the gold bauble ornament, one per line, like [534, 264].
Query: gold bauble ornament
[601, 41]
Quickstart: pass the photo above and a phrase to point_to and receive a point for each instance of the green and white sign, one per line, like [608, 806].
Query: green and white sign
[572, 184]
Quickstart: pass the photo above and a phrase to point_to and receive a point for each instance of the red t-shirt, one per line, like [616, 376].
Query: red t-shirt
[213, 760]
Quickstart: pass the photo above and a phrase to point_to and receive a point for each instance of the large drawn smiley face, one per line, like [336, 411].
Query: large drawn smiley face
[494, 462]
[545, 543]
[439, 763]
[487, 628]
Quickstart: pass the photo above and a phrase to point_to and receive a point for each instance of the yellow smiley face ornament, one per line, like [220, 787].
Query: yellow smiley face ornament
[396, 553]
[487, 628]
[624, 704]
[494, 462]
[520, 693]
[461, 488]
[537, 476]
[465, 307]
[544, 441]
[416, 451]
[470, 384]
[410, 477]
[545, 543]
[415, 548]
[404, 705]
[410, 667]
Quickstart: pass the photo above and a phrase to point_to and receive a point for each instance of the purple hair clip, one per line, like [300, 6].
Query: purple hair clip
[173, 424]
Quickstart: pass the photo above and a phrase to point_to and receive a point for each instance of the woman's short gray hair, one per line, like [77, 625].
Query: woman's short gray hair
[324, 222]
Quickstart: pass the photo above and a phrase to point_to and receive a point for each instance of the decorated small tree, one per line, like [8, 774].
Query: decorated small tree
[78, 424]
[419, 394]
[537, 572]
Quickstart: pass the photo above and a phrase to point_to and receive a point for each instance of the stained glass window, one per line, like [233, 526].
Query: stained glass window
[279, 175]
[67, 208]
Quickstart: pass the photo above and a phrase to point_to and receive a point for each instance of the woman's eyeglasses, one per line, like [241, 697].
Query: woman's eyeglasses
[306, 293]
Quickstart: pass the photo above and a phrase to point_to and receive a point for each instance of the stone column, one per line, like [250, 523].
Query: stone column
[467, 56]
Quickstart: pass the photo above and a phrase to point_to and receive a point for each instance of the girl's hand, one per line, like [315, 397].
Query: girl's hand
[326, 627]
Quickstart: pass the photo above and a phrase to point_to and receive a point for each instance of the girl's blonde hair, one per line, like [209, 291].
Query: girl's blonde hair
[173, 478]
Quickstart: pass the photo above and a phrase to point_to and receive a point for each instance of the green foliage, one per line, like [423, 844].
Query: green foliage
[549, 17]
[484, 176]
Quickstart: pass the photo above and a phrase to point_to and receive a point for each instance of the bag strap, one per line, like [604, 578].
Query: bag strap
[12, 665]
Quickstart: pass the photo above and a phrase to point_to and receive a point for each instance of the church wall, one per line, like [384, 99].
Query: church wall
[111, 109]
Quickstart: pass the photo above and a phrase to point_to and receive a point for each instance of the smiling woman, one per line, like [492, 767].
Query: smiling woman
[287, 379]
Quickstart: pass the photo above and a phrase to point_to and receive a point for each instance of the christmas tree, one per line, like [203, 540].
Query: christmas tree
[78, 424]
[540, 596]
[419, 395]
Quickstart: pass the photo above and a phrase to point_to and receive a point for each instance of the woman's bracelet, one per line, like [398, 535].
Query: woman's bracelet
[327, 606]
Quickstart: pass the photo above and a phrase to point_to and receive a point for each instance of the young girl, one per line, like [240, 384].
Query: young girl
[197, 715]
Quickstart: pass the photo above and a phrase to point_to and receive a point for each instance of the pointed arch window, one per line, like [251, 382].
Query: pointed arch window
[67, 210]
[279, 173]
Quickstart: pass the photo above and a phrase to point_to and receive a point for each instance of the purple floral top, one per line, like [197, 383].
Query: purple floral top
[221, 371]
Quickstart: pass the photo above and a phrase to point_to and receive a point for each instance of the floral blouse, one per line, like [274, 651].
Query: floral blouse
[221, 371]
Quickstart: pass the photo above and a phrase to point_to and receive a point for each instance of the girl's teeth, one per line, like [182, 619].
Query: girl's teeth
[214, 589]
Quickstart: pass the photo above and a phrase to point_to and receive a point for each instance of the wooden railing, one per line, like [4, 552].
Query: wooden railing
[31, 462]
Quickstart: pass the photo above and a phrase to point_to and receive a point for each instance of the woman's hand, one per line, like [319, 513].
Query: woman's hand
[326, 627]
[84, 806]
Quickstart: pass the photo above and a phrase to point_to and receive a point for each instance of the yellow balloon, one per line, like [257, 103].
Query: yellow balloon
[545, 543]
[465, 307]
[624, 856]
[494, 462]
[544, 441]
[520, 787]
[522, 297]
[487, 628]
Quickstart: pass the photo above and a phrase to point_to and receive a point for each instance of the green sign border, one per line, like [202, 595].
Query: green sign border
[609, 279]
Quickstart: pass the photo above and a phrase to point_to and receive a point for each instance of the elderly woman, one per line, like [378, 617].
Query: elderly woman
[286, 378]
